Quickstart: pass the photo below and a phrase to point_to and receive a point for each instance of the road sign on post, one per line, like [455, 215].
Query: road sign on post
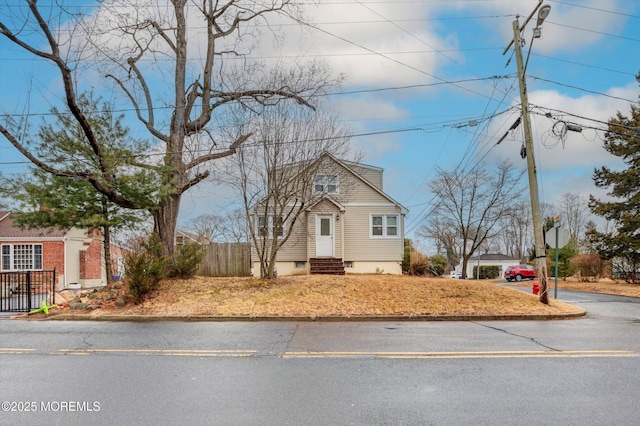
[559, 238]
[557, 235]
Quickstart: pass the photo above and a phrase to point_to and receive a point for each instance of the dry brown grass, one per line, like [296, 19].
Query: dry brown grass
[351, 295]
[605, 286]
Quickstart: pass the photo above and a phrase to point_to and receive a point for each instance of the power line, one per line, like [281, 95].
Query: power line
[395, 24]
[595, 120]
[341, 93]
[582, 89]
[584, 65]
[348, 136]
[594, 32]
[389, 58]
[435, 202]
[628, 15]
[416, 86]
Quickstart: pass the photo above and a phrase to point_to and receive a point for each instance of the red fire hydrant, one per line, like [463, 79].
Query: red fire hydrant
[536, 287]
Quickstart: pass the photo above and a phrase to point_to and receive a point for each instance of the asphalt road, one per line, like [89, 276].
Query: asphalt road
[572, 372]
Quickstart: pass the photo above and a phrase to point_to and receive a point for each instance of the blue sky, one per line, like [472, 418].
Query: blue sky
[427, 82]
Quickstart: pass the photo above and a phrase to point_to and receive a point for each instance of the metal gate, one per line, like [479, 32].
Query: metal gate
[22, 291]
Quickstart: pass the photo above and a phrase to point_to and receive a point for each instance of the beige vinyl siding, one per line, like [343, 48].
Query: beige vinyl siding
[359, 245]
[374, 176]
[295, 249]
[355, 191]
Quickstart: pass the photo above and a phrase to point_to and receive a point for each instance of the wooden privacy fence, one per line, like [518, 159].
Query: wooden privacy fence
[226, 260]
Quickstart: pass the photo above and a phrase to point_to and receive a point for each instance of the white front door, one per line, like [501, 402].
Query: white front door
[324, 236]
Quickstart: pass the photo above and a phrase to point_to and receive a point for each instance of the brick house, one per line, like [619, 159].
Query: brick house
[76, 254]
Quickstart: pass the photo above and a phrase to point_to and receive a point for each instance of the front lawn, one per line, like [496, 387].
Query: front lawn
[325, 296]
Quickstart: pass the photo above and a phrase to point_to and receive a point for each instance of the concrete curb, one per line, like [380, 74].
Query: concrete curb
[358, 318]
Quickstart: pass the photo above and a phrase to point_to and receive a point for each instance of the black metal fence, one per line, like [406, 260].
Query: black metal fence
[22, 291]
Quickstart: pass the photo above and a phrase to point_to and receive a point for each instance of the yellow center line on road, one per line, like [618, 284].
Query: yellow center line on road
[15, 350]
[163, 352]
[463, 355]
[330, 354]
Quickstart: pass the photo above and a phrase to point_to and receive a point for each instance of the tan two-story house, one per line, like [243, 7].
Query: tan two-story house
[345, 223]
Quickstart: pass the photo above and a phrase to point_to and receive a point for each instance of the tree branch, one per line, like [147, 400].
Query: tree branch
[95, 181]
[149, 124]
[229, 151]
[262, 97]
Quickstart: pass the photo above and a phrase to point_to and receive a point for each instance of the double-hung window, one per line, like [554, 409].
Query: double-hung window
[268, 226]
[19, 257]
[6, 257]
[385, 226]
[326, 183]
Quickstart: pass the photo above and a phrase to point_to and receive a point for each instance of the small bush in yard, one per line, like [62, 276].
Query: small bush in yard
[186, 261]
[438, 263]
[145, 267]
[588, 266]
[419, 264]
[487, 272]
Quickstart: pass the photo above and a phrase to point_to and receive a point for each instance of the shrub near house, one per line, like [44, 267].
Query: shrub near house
[487, 272]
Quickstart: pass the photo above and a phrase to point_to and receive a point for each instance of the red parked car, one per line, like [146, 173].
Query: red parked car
[519, 272]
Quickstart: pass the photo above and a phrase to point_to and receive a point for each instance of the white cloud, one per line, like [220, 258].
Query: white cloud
[381, 44]
[569, 27]
[370, 108]
[361, 111]
[568, 166]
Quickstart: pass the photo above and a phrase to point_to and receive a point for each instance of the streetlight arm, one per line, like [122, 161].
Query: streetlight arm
[523, 25]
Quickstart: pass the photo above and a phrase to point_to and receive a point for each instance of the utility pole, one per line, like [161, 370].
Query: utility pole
[541, 257]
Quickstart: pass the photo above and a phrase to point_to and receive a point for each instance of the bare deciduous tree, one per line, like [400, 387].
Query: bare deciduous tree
[279, 172]
[516, 235]
[575, 211]
[475, 202]
[229, 227]
[181, 66]
[444, 233]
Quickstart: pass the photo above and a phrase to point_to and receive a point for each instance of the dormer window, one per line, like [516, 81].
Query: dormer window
[325, 184]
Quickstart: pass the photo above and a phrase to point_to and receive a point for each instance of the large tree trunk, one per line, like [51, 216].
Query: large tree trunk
[164, 222]
[452, 258]
[465, 262]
